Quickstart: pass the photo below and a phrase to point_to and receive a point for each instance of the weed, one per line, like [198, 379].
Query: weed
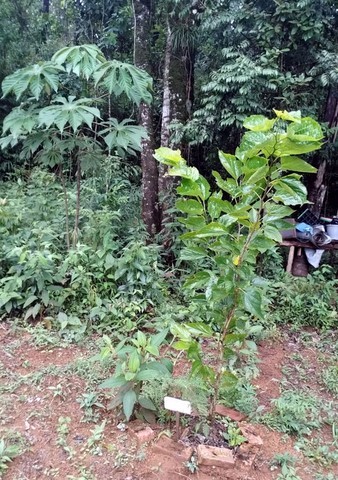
[233, 435]
[63, 431]
[7, 453]
[88, 402]
[95, 438]
[136, 363]
[307, 301]
[323, 453]
[294, 413]
[57, 391]
[83, 474]
[286, 462]
[327, 476]
[330, 378]
[192, 464]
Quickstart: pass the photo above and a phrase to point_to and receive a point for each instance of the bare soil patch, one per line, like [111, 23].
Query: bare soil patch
[41, 386]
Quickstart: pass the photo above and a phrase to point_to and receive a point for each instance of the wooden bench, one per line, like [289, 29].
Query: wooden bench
[296, 244]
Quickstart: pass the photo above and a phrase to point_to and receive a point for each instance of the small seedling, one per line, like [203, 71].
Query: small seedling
[88, 401]
[95, 438]
[234, 436]
[57, 391]
[286, 461]
[63, 431]
[7, 453]
[192, 464]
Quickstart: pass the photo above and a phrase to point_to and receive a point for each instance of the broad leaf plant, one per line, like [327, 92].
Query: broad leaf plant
[228, 228]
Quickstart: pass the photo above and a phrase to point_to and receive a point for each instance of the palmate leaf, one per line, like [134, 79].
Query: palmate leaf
[83, 60]
[35, 79]
[71, 111]
[20, 121]
[123, 136]
[122, 78]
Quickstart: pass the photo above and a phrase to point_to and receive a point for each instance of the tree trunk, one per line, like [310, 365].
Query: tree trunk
[318, 189]
[45, 6]
[177, 103]
[142, 29]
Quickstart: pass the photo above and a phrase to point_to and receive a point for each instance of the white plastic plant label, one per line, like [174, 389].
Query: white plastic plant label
[177, 405]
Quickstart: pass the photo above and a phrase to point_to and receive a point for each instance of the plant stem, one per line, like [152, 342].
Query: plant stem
[65, 196]
[77, 212]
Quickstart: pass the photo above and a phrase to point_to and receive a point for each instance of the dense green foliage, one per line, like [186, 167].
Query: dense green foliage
[75, 255]
[227, 237]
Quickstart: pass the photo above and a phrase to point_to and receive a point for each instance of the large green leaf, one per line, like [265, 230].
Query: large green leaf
[200, 328]
[189, 188]
[145, 402]
[129, 400]
[197, 280]
[286, 147]
[275, 212]
[69, 112]
[191, 173]
[255, 142]
[213, 229]
[193, 253]
[231, 164]
[290, 190]
[271, 232]
[122, 78]
[20, 121]
[113, 382]
[253, 302]
[83, 60]
[123, 137]
[258, 123]
[289, 116]
[230, 186]
[34, 79]
[307, 130]
[146, 375]
[296, 164]
[170, 157]
[192, 207]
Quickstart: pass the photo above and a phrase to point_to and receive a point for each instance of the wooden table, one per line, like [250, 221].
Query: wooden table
[293, 244]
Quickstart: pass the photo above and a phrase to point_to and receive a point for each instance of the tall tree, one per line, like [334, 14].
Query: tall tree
[143, 15]
[178, 90]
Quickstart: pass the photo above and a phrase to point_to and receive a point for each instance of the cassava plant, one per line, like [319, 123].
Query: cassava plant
[228, 228]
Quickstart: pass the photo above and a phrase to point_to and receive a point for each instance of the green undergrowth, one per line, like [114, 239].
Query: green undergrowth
[111, 280]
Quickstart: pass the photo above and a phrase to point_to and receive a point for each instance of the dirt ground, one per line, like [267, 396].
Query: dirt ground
[41, 389]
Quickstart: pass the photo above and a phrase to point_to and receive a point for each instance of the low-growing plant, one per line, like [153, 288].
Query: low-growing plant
[90, 402]
[310, 301]
[63, 431]
[233, 435]
[227, 229]
[287, 463]
[295, 413]
[7, 453]
[330, 378]
[138, 361]
[322, 452]
[96, 437]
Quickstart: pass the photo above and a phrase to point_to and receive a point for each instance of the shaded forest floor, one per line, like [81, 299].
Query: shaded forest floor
[48, 392]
